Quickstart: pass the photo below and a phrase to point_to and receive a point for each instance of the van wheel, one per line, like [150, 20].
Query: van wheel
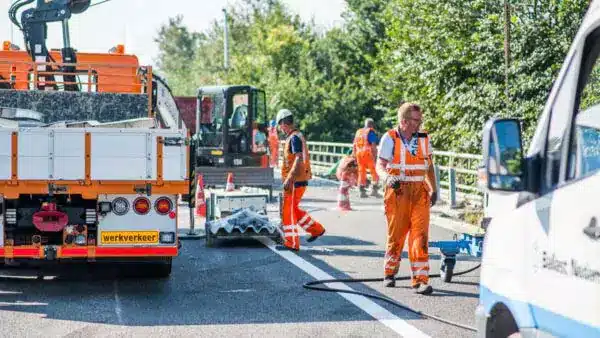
[501, 323]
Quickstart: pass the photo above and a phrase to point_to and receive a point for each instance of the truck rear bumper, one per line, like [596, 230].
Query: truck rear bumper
[89, 252]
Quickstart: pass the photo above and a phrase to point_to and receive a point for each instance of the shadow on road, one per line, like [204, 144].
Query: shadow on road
[332, 240]
[238, 282]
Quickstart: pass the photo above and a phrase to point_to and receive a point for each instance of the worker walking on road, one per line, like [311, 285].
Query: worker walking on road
[365, 150]
[274, 144]
[295, 173]
[405, 165]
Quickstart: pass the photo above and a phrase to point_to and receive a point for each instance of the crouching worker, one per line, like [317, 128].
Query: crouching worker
[295, 173]
[347, 174]
[405, 165]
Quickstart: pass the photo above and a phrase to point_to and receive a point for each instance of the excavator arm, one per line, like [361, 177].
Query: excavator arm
[34, 27]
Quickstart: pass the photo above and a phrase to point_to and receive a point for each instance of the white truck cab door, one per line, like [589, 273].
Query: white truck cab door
[564, 283]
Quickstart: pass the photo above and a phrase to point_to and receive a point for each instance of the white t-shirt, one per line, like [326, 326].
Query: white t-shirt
[386, 147]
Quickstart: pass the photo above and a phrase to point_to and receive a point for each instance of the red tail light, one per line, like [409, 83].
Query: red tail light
[163, 205]
[141, 205]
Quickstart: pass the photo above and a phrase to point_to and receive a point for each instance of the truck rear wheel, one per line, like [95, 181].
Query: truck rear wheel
[160, 269]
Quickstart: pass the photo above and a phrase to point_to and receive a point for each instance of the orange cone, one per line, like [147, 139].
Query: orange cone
[229, 186]
[200, 200]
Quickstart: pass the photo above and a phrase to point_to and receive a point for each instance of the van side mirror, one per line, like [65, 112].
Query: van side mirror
[502, 167]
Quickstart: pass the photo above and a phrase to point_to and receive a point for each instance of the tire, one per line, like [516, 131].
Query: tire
[501, 323]
[157, 270]
[447, 269]
[447, 274]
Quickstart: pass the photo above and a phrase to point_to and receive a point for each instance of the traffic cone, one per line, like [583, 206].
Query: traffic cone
[343, 194]
[229, 186]
[200, 200]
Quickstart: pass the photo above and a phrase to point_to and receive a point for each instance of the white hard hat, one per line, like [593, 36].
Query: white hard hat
[282, 114]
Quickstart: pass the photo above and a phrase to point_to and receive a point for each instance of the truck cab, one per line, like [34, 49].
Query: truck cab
[541, 263]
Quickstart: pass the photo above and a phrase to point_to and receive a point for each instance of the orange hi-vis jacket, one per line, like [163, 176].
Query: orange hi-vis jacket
[404, 166]
[361, 142]
[288, 159]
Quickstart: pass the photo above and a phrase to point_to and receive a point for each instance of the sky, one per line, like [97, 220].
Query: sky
[135, 23]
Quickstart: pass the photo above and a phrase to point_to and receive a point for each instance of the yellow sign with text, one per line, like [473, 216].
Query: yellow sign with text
[129, 237]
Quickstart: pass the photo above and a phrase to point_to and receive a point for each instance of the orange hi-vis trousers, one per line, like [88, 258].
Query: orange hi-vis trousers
[407, 212]
[274, 147]
[366, 163]
[293, 216]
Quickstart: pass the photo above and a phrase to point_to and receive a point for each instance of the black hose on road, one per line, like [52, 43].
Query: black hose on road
[313, 286]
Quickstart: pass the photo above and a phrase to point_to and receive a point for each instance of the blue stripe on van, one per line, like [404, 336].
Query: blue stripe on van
[544, 320]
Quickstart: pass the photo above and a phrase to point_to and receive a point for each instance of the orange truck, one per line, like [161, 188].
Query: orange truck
[93, 154]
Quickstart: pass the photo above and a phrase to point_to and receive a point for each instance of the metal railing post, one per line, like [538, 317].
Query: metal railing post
[436, 169]
[452, 187]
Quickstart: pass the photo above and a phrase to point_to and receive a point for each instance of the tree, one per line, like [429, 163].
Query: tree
[449, 56]
[177, 50]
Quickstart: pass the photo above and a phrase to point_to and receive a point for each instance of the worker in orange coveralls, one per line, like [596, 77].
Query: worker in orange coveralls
[405, 165]
[295, 173]
[365, 150]
[274, 144]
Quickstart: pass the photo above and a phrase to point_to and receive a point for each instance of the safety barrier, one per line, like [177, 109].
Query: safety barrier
[456, 172]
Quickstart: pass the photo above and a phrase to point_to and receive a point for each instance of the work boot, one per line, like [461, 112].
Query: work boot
[375, 191]
[424, 289]
[285, 248]
[312, 238]
[363, 192]
[389, 281]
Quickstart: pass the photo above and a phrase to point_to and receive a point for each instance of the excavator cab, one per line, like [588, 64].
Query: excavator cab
[228, 119]
[230, 137]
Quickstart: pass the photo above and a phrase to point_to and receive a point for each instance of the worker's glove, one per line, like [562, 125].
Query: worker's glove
[434, 198]
[392, 182]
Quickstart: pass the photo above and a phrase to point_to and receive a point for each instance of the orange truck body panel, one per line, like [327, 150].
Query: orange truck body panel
[117, 73]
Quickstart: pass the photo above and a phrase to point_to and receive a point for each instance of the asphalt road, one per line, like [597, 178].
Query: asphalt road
[242, 289]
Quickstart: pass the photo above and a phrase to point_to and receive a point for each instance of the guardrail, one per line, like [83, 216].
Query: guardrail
[456, 173]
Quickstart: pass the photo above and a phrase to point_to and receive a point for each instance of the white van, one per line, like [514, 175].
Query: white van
[540, 272]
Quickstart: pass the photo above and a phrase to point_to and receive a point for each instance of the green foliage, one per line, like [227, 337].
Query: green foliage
[448, 56]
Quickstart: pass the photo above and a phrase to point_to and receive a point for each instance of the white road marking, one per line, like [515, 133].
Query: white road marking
[118, 310]
[385, 317]
[19, 303]
[238, 291]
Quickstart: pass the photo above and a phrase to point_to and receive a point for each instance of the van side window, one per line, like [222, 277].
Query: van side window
[584, 152]
[562, 112]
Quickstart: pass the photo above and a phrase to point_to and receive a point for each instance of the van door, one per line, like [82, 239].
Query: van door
[565, 279]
